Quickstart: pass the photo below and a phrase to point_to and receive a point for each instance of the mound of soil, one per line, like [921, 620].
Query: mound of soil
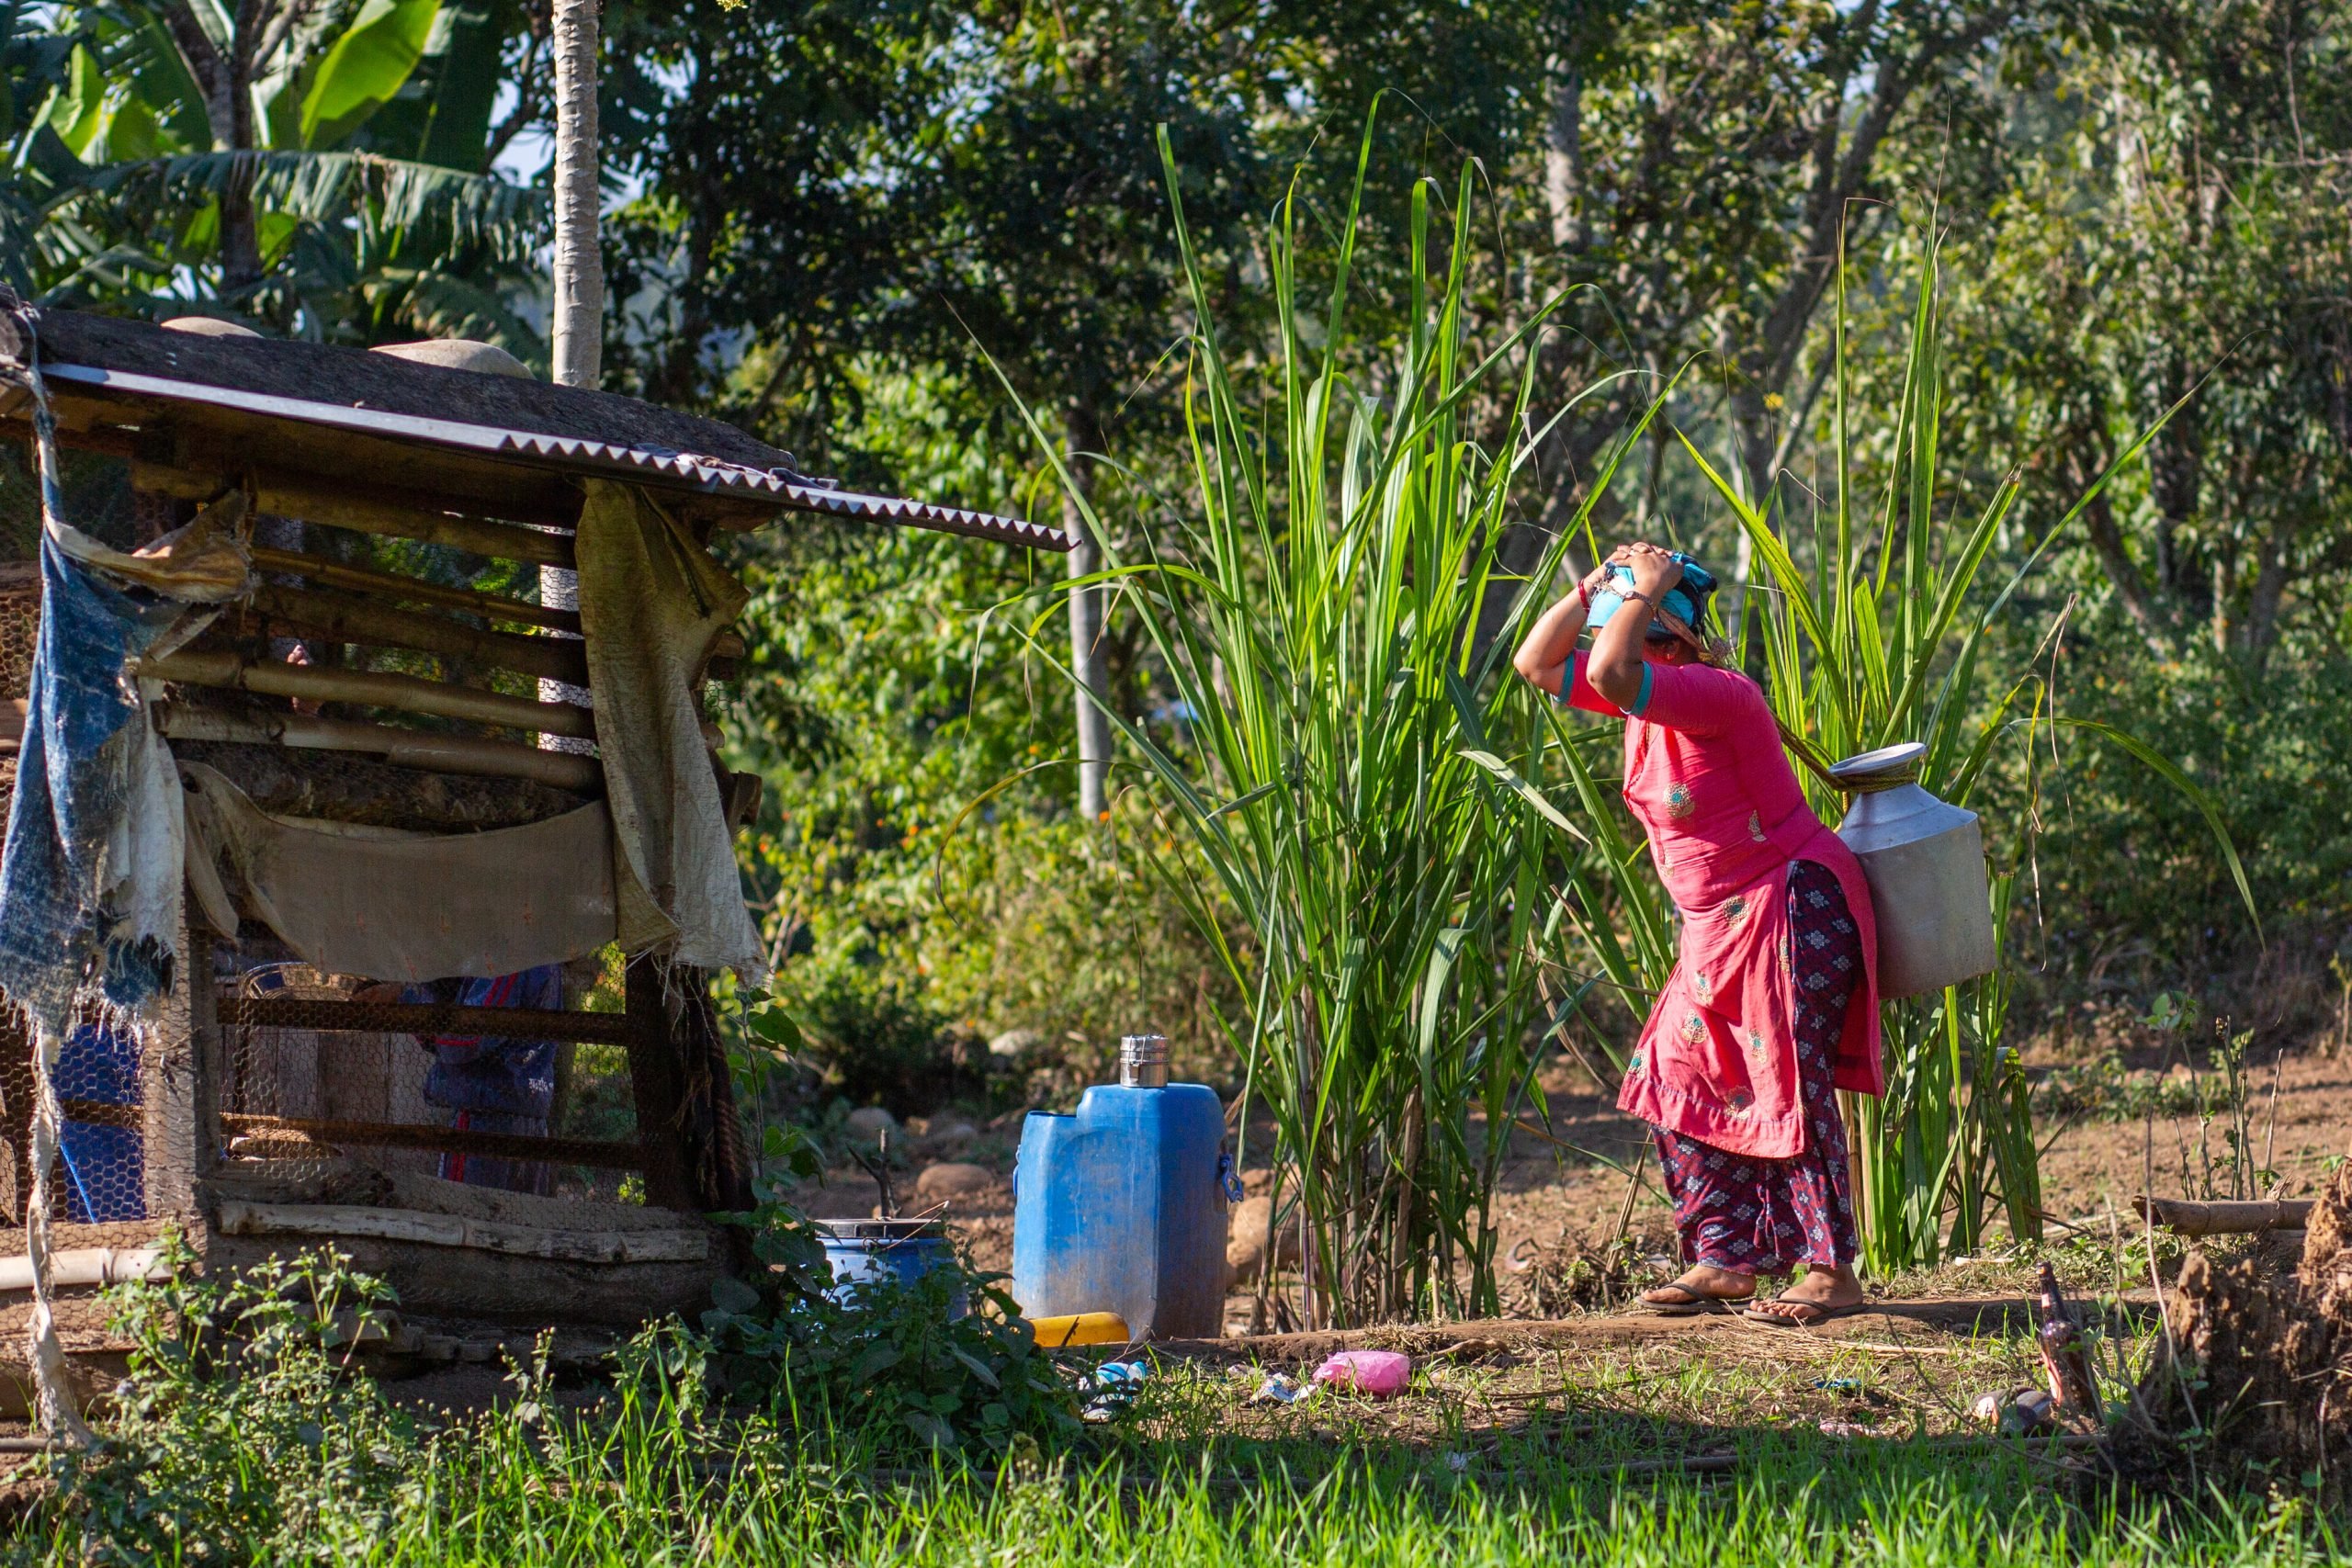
[2255, 1386]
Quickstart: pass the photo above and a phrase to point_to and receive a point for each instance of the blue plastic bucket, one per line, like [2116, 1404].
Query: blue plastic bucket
[904, 1250]
[106, 1166]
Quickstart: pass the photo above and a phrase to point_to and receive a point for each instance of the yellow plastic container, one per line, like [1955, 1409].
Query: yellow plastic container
[1080, 1328]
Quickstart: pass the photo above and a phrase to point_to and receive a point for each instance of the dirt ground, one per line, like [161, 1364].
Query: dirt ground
[1566, 1194]
[1910, 1364]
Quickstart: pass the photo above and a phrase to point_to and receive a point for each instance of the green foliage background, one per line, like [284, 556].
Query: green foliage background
[835, 223]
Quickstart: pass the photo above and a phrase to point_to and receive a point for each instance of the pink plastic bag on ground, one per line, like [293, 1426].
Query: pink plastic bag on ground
[1380, 1373]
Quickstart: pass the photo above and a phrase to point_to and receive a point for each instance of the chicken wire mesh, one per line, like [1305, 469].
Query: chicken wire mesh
[300, 1102]
[98, 500]
[101, 1171]
[101, 1167]
[303, 1075]
[101, 1174]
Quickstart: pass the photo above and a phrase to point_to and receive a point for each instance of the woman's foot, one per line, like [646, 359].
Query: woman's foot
[1822, 1293]
[1702, 1288]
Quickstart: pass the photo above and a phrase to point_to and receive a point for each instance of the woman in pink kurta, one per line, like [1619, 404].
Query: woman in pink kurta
[1772, 1004]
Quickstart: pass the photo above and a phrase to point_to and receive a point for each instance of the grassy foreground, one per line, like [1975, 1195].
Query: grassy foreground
[894, 1433]
[1191, 1475]
[1796, 1508]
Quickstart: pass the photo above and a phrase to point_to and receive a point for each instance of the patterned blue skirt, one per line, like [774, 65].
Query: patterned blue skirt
[1767, 1216]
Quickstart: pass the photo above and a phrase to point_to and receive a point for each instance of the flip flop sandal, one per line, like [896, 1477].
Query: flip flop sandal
[1814, 1315]
[1701, 1304]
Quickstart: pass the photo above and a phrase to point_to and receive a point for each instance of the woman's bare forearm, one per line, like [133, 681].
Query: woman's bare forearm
[1614, 668]
[1542, 658]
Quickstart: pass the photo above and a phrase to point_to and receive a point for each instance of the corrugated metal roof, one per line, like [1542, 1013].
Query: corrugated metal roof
[778, 487]
[784, 487]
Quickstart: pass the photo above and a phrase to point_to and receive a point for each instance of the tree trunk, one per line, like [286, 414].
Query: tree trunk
[1564, 158]
[1086, 659]
[579, 263]
[2275, 560]
[225, 78]
[2176, 481]
[579, 270]
[239, 229]
[2148, 613]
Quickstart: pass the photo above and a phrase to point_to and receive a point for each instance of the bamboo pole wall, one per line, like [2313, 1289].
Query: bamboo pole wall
[340, 596]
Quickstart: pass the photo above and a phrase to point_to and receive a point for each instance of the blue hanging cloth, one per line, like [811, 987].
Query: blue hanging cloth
[76, 925]
[91, 876]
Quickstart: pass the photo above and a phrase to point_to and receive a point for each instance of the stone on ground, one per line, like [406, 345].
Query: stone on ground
[872, 1121]
[949, 1132]
[952, 1180]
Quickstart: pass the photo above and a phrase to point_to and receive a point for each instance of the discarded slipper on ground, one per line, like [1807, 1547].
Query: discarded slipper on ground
[1811, 1315]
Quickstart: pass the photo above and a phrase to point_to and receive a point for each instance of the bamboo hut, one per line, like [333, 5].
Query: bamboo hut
[402, 779]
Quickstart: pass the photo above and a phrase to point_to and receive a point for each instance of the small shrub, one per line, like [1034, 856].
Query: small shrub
[237, 1435]
[875, 1040]
[2131, 896]
[937, 1363]
[1571, 1277]
[2108, 1088]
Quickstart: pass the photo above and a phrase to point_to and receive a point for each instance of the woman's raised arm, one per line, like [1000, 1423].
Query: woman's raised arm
[1542, 658]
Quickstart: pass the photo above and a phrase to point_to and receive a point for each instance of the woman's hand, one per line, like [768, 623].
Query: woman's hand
[1655, 569]
[1542, 658]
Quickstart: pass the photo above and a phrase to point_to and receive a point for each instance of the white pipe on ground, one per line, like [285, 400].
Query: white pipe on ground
[87, 1266]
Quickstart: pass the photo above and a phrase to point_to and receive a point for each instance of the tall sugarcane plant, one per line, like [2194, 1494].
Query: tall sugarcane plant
[1872, 634]
[1343, 758]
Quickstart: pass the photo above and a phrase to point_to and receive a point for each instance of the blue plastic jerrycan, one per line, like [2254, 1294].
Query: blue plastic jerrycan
[1121, 1208]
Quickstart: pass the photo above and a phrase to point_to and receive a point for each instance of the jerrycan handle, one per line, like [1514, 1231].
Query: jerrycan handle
[1227, 1178]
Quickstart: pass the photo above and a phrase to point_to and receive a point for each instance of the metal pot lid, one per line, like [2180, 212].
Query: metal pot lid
[1888, 764]
[881, 1230]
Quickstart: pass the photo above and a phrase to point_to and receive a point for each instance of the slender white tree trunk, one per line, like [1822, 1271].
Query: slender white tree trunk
[579, 263]
[579, 270]
[1086, 659]
[56, 1406]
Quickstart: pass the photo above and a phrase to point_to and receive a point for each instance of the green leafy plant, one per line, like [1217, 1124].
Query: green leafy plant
[902, 1367]
[781, 1238]
[239, 1435]
[1342, 755]
[346, 195]
[2219, 1089]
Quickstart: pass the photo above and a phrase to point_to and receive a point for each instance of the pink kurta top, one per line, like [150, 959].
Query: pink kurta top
[1707, 779]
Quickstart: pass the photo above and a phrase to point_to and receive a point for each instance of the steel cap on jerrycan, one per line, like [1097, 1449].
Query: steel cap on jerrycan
[1924, 859]
[1143, 1061]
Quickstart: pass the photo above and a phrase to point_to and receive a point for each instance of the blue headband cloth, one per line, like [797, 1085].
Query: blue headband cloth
[1686, 601]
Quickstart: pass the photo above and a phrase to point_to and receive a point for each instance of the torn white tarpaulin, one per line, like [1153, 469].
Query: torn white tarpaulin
[396, 904]
[651, 604]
